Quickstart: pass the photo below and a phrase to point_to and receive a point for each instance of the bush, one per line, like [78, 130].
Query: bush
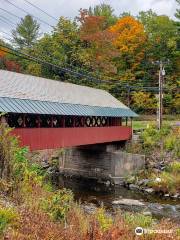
[7, 216]
[174, 168]
[138, 220]
[104, 221]
[58, 204]
[170, 143]
[169, 179]
[165, 141]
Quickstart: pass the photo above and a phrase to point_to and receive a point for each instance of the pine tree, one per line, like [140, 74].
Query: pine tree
[178, 10]
[26, 33]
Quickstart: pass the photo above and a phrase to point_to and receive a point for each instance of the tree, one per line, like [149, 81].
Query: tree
[98, 45]
[162, 41]
[26, 33]
[162, 34]
[5, 60]
[130, 39]
[104, 10]
[144, 102]
[178, 10]
[62, 47]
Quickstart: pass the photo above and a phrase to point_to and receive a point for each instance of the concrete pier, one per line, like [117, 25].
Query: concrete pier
[103, 161]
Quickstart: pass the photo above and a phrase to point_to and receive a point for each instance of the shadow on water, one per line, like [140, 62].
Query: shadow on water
[89, 191]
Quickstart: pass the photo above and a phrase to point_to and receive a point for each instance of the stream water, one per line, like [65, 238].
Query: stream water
[93, 193]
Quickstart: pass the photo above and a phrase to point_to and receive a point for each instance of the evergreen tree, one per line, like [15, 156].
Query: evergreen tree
[178, 10]
[26, 33]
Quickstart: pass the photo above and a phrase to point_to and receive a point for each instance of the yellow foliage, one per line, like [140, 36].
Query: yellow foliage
[130, 35]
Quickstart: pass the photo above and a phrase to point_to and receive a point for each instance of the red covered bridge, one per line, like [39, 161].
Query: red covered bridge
[48, 114]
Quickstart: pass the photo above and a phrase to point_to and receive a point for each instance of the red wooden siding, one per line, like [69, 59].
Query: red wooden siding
[52, 138]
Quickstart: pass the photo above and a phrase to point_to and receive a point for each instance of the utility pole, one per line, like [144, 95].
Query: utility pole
[160, 95]
[161, 80]
[128, 95]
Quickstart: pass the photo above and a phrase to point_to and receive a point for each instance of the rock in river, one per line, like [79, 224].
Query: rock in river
[149, 190]
[133, 187]
[128, 202]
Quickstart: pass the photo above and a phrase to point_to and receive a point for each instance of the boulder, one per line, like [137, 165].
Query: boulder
[149, 190]
[133, 187]
[128, 202]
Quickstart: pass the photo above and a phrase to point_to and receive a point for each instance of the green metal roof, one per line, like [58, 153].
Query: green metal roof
[16, 105]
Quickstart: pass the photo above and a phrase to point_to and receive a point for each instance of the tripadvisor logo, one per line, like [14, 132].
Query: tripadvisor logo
[139, 231]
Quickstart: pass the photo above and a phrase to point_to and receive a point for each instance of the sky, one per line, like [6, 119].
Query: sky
[70, 8]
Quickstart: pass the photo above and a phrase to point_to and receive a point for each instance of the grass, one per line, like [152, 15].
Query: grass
[138, 125]
[169, 179]
[8, 216]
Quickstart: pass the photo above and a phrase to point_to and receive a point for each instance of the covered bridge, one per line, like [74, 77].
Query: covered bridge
[48, 114]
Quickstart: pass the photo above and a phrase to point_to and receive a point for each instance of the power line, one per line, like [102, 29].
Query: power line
[71, 71]
[20, 54]
[6, 19]
[12, 14]
[6, 33]
[5, 38]
[30, 58]
[40, 10]
[113, 80]
[21, 9]
[77, 74]
[2, 20]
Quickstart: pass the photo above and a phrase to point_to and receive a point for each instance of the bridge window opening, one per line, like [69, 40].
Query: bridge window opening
[32, 121]
[69, 121]
[55, 121]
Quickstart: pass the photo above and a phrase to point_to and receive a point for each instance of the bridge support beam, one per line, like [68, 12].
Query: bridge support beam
[103, 161]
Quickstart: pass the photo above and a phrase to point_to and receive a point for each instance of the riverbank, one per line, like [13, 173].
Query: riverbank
[161, 174]
[31, 208]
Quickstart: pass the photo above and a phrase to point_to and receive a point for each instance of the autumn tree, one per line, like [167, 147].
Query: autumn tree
[106, 11]
[144, 102]
[6, 62]
[98, 43]
[130, 39]
[26, 33]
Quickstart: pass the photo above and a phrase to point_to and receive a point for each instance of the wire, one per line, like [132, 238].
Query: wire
[5, 33]
[50, 64]
[5, 38]
[40, 10]
[12, 14]
[70, 65]
[2, 20]
[21, 9]
[77, 74]
[6, 19]
[27, 57]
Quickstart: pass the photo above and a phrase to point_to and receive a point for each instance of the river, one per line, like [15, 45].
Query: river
[91, 192]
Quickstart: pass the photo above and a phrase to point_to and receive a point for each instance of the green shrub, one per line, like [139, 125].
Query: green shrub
[169, 143]
[170, 182]
[58, 204]
[7, 217]
[104, 221]
[138, 220]
[174, 167]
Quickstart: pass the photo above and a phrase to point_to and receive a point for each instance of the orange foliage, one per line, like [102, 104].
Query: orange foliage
[129, 33]
[34, 224]
[2, 53]
[93, 31]
[8, 64]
